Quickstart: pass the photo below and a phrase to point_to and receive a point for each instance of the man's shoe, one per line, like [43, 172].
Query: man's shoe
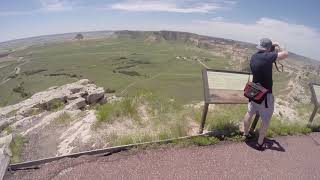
[261, 147]
[249, 136]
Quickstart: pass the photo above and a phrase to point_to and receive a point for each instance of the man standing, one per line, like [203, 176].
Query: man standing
[261, 64]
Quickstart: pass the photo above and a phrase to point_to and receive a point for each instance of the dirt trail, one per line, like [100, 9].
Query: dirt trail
[125, 90]
[16, 70]
[291, 157]
[204, 65]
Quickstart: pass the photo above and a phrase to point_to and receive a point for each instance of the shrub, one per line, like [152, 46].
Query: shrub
[110, 90]
[130, 73]
[32, 72]
[139, 62]
[20, 89]
[64, 74]
[13, 76]
[125, 67]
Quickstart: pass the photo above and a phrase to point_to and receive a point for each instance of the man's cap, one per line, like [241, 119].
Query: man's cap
[264, 44]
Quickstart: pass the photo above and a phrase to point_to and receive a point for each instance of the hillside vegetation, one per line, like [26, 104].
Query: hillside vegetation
[121, 64]
[152, 90]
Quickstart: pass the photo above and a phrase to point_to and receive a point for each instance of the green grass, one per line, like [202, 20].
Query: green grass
[304, 109]
[131, 139]
[156, 63]
[170, 120]
[283, 128]
[8, 129]
[141, 138]
[225, 119]
[204, 141]
[55, 105]
[165, 118]
[63, 118]
[180, 80]
[127, 107]
[16, 147]
[105, 113]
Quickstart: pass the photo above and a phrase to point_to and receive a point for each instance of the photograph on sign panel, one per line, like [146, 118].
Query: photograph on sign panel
[227, 87]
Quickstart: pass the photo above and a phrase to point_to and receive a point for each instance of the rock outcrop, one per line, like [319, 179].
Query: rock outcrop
[55, 121]
[74, 96]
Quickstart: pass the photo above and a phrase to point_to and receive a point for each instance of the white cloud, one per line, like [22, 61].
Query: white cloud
[218, 18]
[230, 2]
[45, 6]
[56, 5]
[16, 13]
[186, 6]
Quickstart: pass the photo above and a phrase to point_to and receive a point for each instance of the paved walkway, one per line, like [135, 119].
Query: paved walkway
[295, 157]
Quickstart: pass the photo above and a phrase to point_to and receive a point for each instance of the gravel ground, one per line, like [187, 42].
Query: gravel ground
[291, 157]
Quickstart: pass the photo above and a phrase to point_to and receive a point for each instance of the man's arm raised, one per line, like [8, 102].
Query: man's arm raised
[282, 55]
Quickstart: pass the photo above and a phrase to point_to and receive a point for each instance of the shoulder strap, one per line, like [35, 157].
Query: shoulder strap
[275, 63]
[266, 101]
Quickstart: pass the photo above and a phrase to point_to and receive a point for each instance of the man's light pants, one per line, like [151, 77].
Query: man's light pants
[265, 115]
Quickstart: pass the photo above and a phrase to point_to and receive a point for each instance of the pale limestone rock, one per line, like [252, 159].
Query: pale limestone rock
[27, 111]
[95, 95]
[46, 100]
[53, 87]
[73, 97]
[79, 103]
[5, 143]
[84, 81]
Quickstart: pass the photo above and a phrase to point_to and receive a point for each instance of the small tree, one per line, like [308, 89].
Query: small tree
[79, 36]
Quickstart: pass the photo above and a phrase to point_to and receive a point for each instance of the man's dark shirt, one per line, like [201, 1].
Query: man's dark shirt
[261, 67]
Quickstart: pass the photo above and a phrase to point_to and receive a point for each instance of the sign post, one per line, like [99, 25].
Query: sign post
[315, 98]
[223, 87]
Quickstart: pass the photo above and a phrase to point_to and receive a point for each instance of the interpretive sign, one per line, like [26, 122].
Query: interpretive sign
[315, 95]
[223, 87]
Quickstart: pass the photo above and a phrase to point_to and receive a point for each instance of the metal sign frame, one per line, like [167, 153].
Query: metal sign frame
[315, 100]
[208, 100]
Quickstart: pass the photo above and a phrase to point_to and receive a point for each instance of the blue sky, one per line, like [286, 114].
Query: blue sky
[293, 23]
